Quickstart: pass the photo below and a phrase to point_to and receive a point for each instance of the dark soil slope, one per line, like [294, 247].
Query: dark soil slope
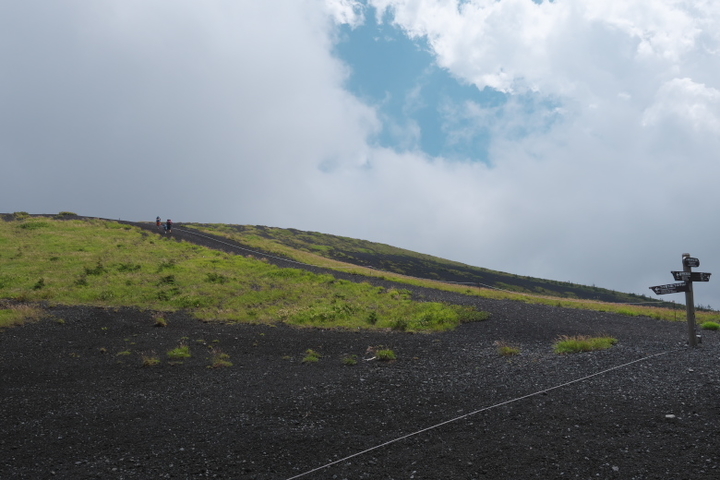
[77, 402]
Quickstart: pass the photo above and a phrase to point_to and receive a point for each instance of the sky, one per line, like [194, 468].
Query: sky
[570, 140]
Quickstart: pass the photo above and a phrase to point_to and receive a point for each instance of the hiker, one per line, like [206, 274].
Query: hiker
[158, 222]
[168, 226]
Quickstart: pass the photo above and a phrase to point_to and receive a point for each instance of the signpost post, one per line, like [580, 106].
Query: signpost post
[686, 277]
[690, 299]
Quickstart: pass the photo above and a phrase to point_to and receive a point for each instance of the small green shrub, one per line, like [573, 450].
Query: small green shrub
[20, 215]
[582, 343]
[128, 267]
[213, 277]
[311, 356]
[167, 280]
[106, 295]
[99, 269]
[385, 355]
[160, 321]
[150, 360]
[350, 360]
[507, 350]
[219, 359]
[124, 353]
[179, 353]
[166, 264]
[33, 225]
[469, 314]
[710, 326]
[399, 325]
[67, 214]
[165, 295]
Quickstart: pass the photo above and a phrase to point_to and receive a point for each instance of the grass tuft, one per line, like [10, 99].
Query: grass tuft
[14, 315]
[179, 353]
[582, 343]
[350, 360]
[385, 355]
[150, 360]
[507, 350]
[710, 326]
[219, 359]
[311, 356]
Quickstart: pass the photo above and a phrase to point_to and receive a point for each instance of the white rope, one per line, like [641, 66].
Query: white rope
[507, 402]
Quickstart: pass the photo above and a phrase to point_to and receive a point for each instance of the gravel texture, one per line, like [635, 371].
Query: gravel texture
[78, 403]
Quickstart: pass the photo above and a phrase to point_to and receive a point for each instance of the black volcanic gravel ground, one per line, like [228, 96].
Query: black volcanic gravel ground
[73, 408]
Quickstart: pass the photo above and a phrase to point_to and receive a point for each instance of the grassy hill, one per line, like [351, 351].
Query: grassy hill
[110, 264]
[69, 260]
[293, 243]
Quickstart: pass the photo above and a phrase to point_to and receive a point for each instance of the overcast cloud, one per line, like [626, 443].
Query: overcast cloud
[600, 168]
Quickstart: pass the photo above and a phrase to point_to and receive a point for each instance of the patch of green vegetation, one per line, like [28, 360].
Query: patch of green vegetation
[150, 360]
[88, 268]
[14, 315]
[354, 256]
[80, 263]
[214, 277]
[582, 343]
[311, 356]
[128, 267]
[33, 225]
[124, 353]
[710, 326]
[219, 359]
[385, 355]
[350, 360]
[180, 352]
[507, 350]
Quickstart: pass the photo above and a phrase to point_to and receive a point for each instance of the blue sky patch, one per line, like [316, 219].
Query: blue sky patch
[421, 105]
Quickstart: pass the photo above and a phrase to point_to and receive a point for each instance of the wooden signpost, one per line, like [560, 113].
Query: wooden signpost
[686, 277]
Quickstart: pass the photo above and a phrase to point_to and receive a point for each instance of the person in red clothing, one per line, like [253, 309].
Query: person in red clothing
[158, 222]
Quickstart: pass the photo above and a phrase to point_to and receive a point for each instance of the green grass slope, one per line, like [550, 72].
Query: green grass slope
[383, 257]
[99, 262]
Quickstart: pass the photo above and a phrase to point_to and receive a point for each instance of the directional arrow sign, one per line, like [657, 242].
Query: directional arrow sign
[691, 262]
[692, 276]
[670, 288]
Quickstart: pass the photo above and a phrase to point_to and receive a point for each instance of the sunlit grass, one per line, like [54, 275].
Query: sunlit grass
[13, 315]
[582, 343]
[104, 263]
[253, 238]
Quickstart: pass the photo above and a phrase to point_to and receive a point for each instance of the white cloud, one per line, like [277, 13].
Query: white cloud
[195, 108]
[682, 101]
[623, 120]
[603, 159]
[348, 12]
